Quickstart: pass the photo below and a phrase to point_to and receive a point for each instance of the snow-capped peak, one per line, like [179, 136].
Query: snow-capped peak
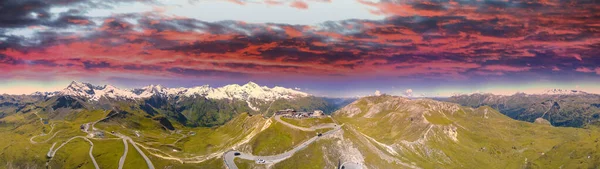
[79, 89]
[93, 92]
[562, 92]
[245, 92]
[251, 85]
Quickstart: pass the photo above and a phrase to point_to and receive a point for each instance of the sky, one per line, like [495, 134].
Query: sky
[336, 48]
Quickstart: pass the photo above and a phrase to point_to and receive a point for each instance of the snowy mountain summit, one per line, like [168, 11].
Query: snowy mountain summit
[245, 92]
[562, 92]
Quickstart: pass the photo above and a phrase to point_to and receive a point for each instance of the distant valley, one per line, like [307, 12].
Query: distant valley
[567, 108]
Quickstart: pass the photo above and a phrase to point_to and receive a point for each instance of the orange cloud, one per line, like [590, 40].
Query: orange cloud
[299, 4]
[584, 70]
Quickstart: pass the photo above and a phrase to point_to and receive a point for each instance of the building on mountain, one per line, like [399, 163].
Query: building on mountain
[317, 113]
[96, 134]
[287, 112]
[304, 114]
[291, 113]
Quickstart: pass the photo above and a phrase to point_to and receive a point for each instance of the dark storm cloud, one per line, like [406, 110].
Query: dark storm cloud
[9, 60]
[255, 66]
[20, 13]
[23, 13]
[295, 55]
[210, 47]
[95, 65]
[142, 67]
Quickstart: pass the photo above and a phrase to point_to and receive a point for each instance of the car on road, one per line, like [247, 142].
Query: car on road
[236, 154]
[320, 134]
[260, 161]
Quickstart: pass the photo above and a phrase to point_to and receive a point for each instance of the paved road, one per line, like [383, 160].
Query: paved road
[230, 155]
[148, 162]
[122, 160]
[313, 128]
[51, 153]
[351, 165]
[202, 158]
[126, 138]
[43, 134]
[48, 139]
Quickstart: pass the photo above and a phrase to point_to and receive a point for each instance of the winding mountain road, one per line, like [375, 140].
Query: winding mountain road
[52, 152]
[229, 156]
[44, 134]
[126, 138]
[122, 160]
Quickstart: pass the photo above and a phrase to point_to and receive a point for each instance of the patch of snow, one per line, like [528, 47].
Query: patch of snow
[252, 107]
[561, 92]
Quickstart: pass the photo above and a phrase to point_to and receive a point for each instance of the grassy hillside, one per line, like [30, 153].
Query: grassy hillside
[275, 139]
[308, 122]
[25, 146]
[301, 104]
[432, 134]
[378, 132]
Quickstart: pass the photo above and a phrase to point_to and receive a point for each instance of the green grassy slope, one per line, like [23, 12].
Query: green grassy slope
[18, 152]
[308, 122]
[434, 134]
[276, 139]
[108, 152]
[380, 132]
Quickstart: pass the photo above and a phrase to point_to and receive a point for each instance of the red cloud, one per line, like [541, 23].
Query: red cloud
[273, 2]
[447, 40]
[504, 68]
[399, 9]
[239, 2]
[584, 69]
[79, 21]
[588, 70]
[299, 4]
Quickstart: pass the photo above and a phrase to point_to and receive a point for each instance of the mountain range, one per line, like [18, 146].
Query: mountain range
[195, 127]
[245, 92]
[569, 108]
[195, 106]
